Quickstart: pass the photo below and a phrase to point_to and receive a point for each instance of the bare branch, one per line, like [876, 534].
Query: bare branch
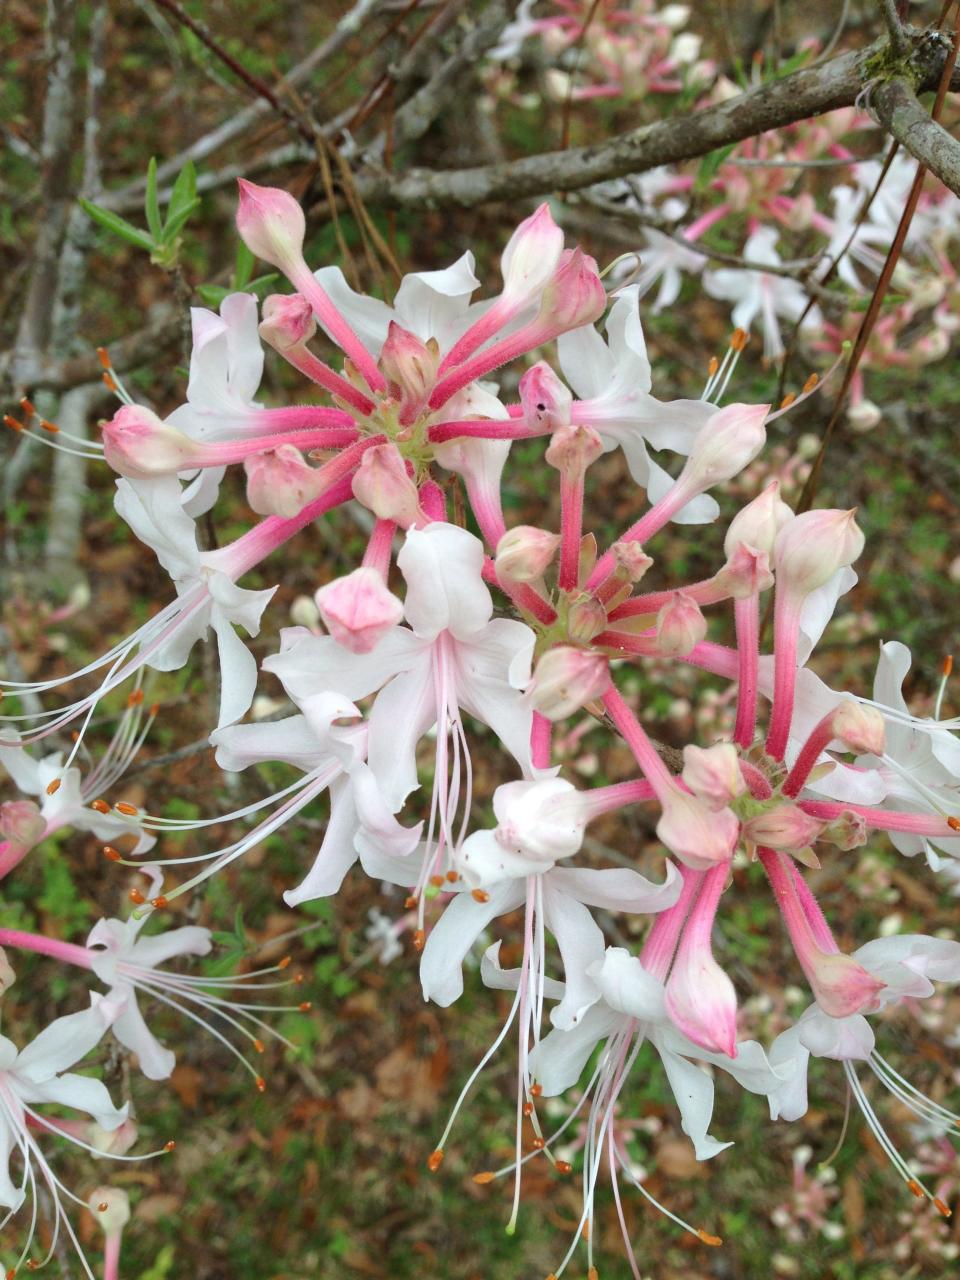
[897, 108]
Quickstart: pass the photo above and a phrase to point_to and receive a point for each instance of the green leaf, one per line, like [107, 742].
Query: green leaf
[151, 204]
[243, 271]
[118, 226]
[709, 165]
[183, 196]
[212, 294]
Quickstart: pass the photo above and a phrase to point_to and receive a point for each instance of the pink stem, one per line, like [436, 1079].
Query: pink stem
[432, 502]
[571, 529]
[807, 933]
[719, 659]
[648, 524]
[223, 453]
[640, 646]
[379, 550]
[486, 429]
[527, 337]
[313, 367]
[632, 732]
[705, 222]
[540, 734]
[111, 1257]
[522, 595]
[810, 753]
[747, 615]
[786, 630]
[494, 319]
[68, 952]
[918, 824]
[337, 327]
[661, 942]
[616, 796]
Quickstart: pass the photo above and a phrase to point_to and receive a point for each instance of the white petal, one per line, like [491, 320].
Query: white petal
[627, 987]
[379, 830]
[337, 853]
[441, 965]
[401, 715]
[80, 1092]
[445, 590]
[153, 510]
[557, 1062]
[618, 889]
[789, 1100]
[580, 941]
[693, 1090]
[841, 1038]
[61, 1044]
[157, 948]
[368, 317]
[499, 979]
[132, 1032]
[238, 672]
[432, 304]
[308, 665]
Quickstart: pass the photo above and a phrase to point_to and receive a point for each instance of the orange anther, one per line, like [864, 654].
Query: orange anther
[409, 902]
[483, 1178]
[810, 383]
[739, 340]
[168, 1146]
[101, 806]
[297, 979]
[453, 876]
[27, 407]
[12, 423]
[914, 1187]
[437, 881]
[136, 896]
[134, 699]
[593, 1274]
[103, 357]
[953, 823]
[479, 895]
[946, 667]
[564, 1166]
[419, 939]
[128, 810]
[258, 1045]
[53, 787]
[585, 1231]
[942, 1207]
[435, 1160]
[284, 963]
[261, 1084]
[536, 1090]
[103, 1206]
[713, 366]
[159, 902]
[305, 1006]
[108, 382]
[707, 1238]
[528, 1108]
[111, 854]
[787, 400]
[538, 1143]
[49, 426]
[154, 709]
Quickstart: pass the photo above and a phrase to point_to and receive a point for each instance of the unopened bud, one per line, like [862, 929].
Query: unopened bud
[859, 728]
[812, 547]
[138, 444]
[631, 560]
[701, 1001]
[525, 553]
[566, 679]
[279, 482]
[111, 1208]
[112, 1142]
[531, 256]
[847, 831]
[410, 366]
[22, 823]
[713, 773]
[728, 440]
[785, 827]
[746, 573]
[288, 321]
[358, 610]
[758, 523]
[680, 625]
[864, 415]
[271, 224]
[575, 296]
[699, 836]
[573, 449]
[586, 619]
[381, 483]
[840, 984]
[544, 398]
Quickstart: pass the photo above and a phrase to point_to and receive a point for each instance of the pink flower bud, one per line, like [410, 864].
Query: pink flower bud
[713, 773]
[138, 444]
[531, 256]
[785, 827]
[812, 547]
[545, 400]
[841, 985]
[859, 728]
[381, 483]
[525, 553]
[575, 296]
[701, 1001]
[288, 321]
[847, 831]
[566, 679]
[680, 625]
[358, 610]
[112, 1142]
[410, 366]
[22, 824]
[631, 560]
[698, 836]
[758, 523]
[573, 449]
[586, 619]
[746, 573]
[728, 440]
[111, 1208]
[7, 976]
[279, 482]
[271, 224]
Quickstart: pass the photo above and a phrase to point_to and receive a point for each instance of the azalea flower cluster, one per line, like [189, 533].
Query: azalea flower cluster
[445, 642]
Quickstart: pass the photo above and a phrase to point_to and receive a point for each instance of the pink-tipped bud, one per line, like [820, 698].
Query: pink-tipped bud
[531, 256]
[812, 547]
[112, 1142]
[701, 1001]
[785, 826]
[713, 773]
[382, 484]
[544, 398]
[138, 444]
[575, 296]
[525, 553]
[22, 824]
[288, 321]
[746, 573]
[728, 441]
[566, 679]
[271, 224]
[847, 831]
[680, 625]
[111, 1208]
[279, 482]
[758, 523]
[358, 610]
[586, 619]
[699, 836]
[632, 562]
[841, 985]
[859, 728]
[7, 975]
[573, 449]
[410, 366]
